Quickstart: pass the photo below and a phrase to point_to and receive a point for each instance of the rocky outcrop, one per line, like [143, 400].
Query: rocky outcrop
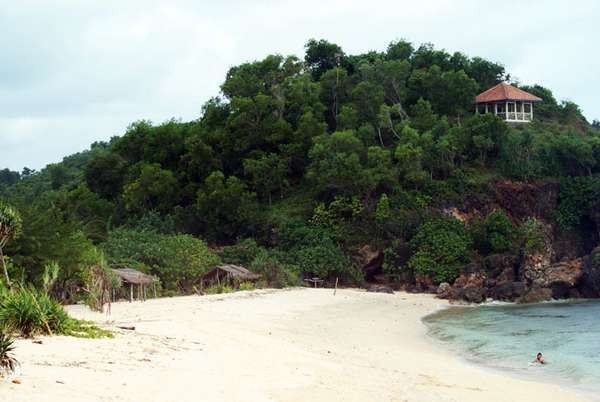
[370, 259]
[472, 294]
[536, 295]
[589, 285]
[446, 291]
[471, 275]
[501, 278]
[560, 278]
[507, 291]
[519, 199]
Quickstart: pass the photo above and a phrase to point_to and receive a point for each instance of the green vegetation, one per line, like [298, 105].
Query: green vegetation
[31, 312]
[290, 170]
[8, 363]
[440, 249]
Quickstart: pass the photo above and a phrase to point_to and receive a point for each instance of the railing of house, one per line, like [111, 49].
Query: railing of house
[514, 116]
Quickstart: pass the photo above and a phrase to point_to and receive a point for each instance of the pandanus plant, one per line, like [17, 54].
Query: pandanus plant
[8, 363]
[10, 228]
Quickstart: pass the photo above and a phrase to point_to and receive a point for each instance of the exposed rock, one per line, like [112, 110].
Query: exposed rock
[423, 281]
[507, 291]
[564, 272]
[535, 295]
[522, 200]
[370, 260]
[589, 285]
[560, 290]
[534, 265]
[497, 263]
[472, 294]
[380, 289]
[471, 275]
[446, 291]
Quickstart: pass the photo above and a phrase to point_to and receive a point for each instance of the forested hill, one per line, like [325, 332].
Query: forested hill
[308, 166]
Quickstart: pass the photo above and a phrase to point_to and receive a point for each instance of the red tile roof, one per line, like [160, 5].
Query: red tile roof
[503, 92]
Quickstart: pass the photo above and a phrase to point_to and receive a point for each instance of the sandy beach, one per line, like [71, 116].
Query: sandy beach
[267, 345]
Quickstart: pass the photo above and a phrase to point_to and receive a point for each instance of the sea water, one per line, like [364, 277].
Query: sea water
[507, 337]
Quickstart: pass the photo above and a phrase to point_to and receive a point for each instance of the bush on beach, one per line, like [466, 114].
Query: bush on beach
[30, 312]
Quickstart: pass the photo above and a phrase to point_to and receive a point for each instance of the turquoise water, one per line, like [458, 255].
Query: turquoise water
[507, 337]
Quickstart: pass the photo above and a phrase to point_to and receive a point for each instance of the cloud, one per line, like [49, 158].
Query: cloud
[76, 72]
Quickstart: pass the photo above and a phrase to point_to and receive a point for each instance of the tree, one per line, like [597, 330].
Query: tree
[368, 98]
[336, 163]
[570, 154]
[178, 260]
[421, 116]
[226, 206]
[321, 56]
[10, 228]
[335, 90]
[399, 50]
[268, 173]
[486, 73]
[484, 136]
[8, 177]
[59, 175]
[151, 188]
[104, 175]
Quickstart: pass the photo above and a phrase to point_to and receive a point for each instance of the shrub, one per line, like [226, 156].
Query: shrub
[395, 258]
[177, 260]
[8, 363]
[534, 234]
[273, 270]
[218, 289]
[495, 234]
[323, 260]
[31, 312]
[247, 286]
[440, 247]
[241, 253]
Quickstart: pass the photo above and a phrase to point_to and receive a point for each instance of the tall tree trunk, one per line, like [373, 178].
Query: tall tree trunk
[4, 268]
[380, 138]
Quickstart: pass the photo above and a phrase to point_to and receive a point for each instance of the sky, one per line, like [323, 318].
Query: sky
[78, 71]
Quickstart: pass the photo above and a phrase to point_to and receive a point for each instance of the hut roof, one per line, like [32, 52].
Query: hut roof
[503, 92]
[136, 277]
[233, 270]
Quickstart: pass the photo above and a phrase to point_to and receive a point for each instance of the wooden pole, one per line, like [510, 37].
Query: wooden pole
[130, 292]
[154, 288]
[336, 283]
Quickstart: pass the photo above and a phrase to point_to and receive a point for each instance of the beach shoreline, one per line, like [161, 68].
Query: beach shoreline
[542, 376]
[265, 345]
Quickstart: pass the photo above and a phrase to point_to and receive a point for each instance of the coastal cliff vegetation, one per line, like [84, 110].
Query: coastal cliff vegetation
[368, 168]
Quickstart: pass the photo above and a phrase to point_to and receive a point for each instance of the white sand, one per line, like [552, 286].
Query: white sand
[295, 345]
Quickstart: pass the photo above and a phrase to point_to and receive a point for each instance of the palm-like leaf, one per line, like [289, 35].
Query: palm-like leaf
[10, 223]
[8, 363]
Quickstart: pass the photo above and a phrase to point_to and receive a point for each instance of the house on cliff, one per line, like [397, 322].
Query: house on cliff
[507, 102]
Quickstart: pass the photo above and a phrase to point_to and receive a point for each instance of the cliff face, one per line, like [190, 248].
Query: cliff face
[566, 265]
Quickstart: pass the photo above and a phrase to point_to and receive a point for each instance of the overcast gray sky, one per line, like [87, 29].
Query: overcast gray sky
[74, 72]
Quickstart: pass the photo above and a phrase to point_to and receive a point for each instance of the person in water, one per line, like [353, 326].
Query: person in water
[539, 359]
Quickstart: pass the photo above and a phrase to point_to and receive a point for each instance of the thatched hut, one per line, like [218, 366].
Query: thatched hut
[228, 274]
[134, 278]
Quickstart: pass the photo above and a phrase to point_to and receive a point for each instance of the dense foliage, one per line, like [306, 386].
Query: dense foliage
[296, 165]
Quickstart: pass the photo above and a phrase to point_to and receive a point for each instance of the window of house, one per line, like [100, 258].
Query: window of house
[527, 107]
[511, 107]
